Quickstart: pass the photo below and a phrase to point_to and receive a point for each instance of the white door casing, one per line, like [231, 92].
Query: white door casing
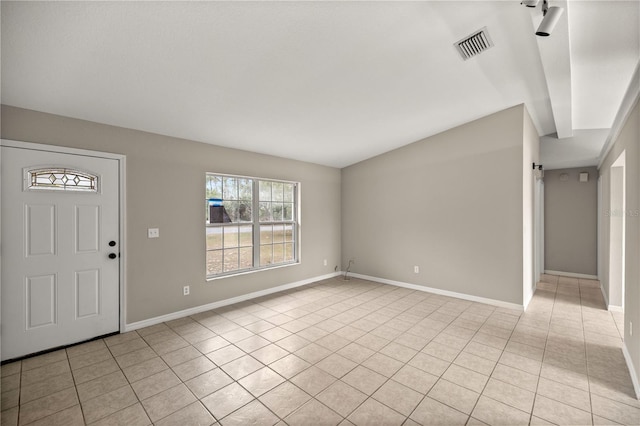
[59, 285]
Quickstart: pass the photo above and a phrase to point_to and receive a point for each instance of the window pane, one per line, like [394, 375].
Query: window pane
[265, 212]
[277, 191]
[288, 192]
[278, 233]
[278, 253]
[245, 189]
[246, 258]
[214, 187]
[214, 262]
[265, 191]
[287, 213]
[231, 260]
[288, 233]
[230, 189]
[231, 207]
[230, 236]
[276, 211]
[214, 238]
[265, 255]
[266, 234]
[244, 212]
[288, 252]
[246, 236]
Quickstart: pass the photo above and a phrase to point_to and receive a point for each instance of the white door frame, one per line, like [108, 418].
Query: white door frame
[121, 201]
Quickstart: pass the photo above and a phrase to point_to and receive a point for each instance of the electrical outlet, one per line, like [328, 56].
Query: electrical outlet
[630, 328]
[416, 269]
[324, 262]
[153, 233]
[185, 290]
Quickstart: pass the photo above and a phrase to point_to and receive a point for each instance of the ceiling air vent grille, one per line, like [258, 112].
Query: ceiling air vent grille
[474, 44]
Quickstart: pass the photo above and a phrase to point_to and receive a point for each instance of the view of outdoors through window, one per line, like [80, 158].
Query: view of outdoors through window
[251, 223]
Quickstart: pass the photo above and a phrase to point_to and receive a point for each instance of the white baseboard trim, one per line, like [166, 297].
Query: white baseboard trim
[571, 274]
[463, 296]
[632, 370]
[614, 308]
[214, 305]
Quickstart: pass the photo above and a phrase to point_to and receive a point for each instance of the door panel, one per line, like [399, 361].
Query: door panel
[58, 284]
[40, 229]
[87, 293]
[40, 301]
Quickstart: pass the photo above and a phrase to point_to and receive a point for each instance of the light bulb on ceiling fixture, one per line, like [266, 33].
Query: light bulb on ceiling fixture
[551, 16]
[530, 3]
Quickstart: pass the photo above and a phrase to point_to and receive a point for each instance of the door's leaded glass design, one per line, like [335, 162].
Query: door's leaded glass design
[62, 179]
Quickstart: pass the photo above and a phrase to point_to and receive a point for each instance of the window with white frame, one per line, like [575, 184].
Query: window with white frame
[251, 224]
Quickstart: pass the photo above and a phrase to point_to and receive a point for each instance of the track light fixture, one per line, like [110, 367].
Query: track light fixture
[550, 16]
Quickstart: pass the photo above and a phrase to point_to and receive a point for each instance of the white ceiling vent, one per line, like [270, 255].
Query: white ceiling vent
[474, 44]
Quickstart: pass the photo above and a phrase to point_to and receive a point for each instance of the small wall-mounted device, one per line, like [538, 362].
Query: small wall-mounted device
[584, 177]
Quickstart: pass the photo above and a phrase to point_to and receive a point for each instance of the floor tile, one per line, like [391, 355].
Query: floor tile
[253, 413]
[559, 413]
[101, 385]
[313, 413]
[453, 395]
[48, 405]
[515, 377]
[373, 413]
[429, 364]
[432, 412]
[284, 399]
[261, 381]
[144, 369]
[209, 382]
[241, 367]
[180, 356]
[153, 385]
[289, 366]
[565, 394]
[494, 412]
[336, 365]
[193, 414]
[168, 402]
[227, 400]
[341, 398]
[225, 354]
[355, 352]
[399, 397]
[444, 352]
[108, 403]
[475, 363]
[312, 353]
[71, 416]
[383, 364]
[133, 415]
[465, 378]
[313, 380]
[193, 368]
[510, 395]
[365, 380]
[615, 411]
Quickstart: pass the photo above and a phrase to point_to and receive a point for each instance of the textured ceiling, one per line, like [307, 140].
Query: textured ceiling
[332, 83]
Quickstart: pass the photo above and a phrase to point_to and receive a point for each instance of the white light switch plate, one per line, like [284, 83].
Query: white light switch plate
[153, 233]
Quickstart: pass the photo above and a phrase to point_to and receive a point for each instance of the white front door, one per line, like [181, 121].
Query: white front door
[60, 249]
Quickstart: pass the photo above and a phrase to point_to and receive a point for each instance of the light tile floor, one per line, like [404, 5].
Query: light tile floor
[346, 353]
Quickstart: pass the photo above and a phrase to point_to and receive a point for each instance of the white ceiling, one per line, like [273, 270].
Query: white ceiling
[332, 83]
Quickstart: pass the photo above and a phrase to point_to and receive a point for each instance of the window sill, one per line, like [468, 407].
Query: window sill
[253, 271]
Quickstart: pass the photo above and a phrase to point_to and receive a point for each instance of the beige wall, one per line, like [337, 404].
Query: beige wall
[165, 189]
[628, 141]
[451, 204]
[571, 221]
